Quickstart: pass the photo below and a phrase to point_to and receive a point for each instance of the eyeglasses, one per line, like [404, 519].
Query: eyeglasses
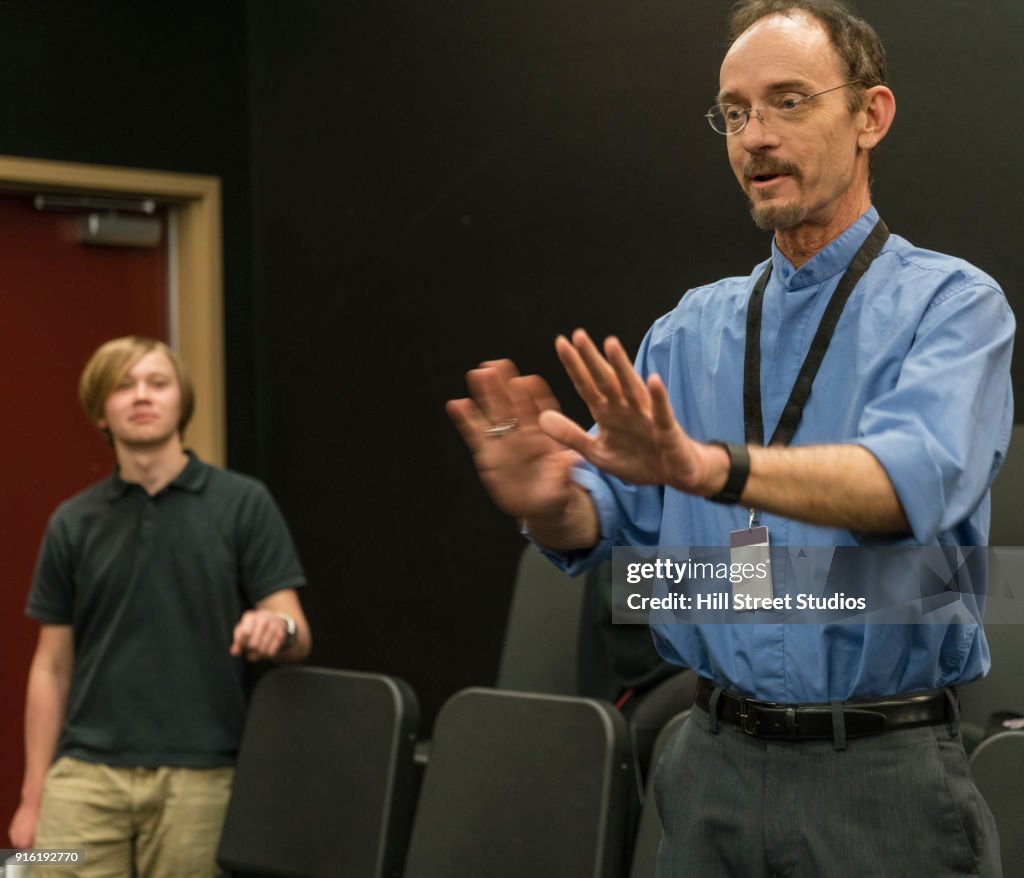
[784, 107]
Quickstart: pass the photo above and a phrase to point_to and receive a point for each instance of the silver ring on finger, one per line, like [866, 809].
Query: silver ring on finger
[498, 430]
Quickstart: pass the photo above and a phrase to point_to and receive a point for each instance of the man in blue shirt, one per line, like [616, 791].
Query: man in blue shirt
[877, 374]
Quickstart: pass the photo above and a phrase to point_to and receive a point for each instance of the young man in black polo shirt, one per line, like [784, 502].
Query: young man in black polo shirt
[151, 588]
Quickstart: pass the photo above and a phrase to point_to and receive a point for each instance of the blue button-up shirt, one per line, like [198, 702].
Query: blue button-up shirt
[917, 373]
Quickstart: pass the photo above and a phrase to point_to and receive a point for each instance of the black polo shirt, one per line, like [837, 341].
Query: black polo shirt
[153, 587]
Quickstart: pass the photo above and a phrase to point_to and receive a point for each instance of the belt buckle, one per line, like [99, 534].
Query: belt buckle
[748, 721]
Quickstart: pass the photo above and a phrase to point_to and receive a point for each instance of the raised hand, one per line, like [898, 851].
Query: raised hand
[525, 471]
[638, 438]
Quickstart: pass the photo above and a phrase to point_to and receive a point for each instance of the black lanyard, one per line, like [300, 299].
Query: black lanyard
[753, 424]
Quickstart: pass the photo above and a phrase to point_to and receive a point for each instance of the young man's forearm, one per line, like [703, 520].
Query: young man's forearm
[44, 716]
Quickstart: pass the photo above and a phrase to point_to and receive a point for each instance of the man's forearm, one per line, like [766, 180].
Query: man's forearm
[575, 527]
[44, 716]
[832, 485]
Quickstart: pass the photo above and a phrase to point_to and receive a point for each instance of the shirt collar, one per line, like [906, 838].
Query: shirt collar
[835, 258]
[192, 479]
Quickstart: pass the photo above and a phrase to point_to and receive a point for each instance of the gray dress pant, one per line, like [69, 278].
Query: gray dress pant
[897, 804]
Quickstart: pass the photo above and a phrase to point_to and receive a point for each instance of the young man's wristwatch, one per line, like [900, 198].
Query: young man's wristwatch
[291, 629]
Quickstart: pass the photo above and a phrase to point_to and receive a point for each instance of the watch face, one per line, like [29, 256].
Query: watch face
[291, 629]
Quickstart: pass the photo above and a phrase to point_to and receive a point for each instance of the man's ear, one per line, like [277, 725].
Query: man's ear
[878, 111]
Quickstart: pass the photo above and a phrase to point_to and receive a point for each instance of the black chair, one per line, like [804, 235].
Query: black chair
[324, 783]
[521, 785]
[561, 639]
[1000, 689]
[998, 768]
[648, 833]
[541, 644]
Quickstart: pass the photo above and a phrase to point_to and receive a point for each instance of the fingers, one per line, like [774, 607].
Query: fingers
[22, 831]
[543, 399]
[505, 368]
[661, 408]
[489, 387]
[633, 387]
[531, 395]
[490, 404]
[468, 420]
[566, 432]
[599, 379]
[500, 394]
[579, 374]
[601, 373]
[259, 634]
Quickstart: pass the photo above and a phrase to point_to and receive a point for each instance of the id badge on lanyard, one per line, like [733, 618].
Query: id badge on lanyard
[749, 549]
[750, 566]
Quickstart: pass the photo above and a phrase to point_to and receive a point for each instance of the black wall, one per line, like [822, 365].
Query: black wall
[411, 188]
[439, 183]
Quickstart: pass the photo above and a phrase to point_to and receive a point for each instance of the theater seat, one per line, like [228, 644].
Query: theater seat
[522, 785]
[324, 781]
[541, 645]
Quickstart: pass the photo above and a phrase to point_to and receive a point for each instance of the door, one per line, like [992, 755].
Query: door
[59, 299]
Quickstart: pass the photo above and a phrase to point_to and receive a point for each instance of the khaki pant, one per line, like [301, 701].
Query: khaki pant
[146, 822]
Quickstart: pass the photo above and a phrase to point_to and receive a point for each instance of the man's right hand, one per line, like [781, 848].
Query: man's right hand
[526, 472]
[22, 830]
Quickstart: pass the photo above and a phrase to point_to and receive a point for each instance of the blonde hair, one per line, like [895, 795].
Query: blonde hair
[109, 364]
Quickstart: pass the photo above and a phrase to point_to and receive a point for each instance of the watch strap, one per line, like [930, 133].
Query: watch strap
[739, 472]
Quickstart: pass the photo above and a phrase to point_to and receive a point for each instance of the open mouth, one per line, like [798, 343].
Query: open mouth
[766, 179]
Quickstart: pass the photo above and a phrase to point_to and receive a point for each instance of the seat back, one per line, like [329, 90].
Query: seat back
[540, 652]
[1007, 527]
[522, 784]
[1000, 689]
[648, 833]
[998, 767]
[324, 780]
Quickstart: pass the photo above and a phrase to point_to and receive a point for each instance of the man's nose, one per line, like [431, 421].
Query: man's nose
[757, 134]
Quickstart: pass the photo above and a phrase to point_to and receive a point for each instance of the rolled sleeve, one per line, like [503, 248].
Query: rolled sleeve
[941, 433]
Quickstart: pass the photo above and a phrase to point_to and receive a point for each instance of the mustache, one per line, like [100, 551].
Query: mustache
[758, 165]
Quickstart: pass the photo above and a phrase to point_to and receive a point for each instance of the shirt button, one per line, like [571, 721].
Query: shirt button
[785, 272]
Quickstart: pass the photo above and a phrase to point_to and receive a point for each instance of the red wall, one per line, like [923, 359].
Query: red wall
[58, 300]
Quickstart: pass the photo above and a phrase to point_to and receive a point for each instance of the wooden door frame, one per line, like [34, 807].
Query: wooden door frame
[197, 312]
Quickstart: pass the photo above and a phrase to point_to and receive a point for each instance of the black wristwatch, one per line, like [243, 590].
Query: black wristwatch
[739, 472]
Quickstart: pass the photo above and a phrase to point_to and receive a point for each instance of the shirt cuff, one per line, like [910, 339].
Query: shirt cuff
[916, 478]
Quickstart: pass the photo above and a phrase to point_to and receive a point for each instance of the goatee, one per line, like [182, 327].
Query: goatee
[771, 218]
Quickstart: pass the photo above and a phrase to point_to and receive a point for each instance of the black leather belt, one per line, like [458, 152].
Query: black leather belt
[767, 719]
